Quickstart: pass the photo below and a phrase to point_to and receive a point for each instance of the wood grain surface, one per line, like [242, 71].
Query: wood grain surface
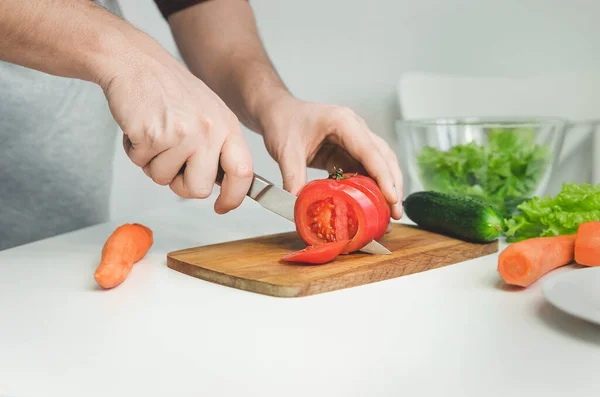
[255, 264]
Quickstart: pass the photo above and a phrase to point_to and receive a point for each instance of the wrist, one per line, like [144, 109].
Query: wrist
[118, 51]
[267, 106]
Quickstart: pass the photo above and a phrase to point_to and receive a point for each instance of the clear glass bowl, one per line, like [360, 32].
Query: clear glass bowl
[501, 161]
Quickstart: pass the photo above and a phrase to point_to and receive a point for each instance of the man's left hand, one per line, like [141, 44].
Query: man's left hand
[298, 134]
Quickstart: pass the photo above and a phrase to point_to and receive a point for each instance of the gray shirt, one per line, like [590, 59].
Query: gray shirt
[57, 141]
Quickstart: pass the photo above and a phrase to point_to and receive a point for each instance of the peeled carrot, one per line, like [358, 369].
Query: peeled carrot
[587, 244]
[124, 247]
[526, 261]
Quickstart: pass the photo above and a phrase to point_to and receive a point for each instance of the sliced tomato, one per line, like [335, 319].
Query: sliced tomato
[369, 187]
[318, 254]
[328, 211]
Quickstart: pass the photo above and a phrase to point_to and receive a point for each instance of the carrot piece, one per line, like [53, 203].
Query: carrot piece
[587, 244]
[526, 261]
[124, 247]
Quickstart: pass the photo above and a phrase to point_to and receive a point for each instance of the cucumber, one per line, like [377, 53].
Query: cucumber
[456, 216]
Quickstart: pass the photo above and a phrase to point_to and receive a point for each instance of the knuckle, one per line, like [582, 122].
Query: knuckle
[201, 192]
[139, 162]
[180, 129]
[243, 170]
[176, 187]
[161, 180]
[206, 125]
[137, 157]
[156, 177]
[341, 116]
[178, 191]
[133, 129]
[345, 112]
[153, 136]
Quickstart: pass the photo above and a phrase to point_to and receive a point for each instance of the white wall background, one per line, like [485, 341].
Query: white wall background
[353, 52]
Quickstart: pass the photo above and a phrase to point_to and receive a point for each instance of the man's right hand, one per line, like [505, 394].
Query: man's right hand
[170, 118]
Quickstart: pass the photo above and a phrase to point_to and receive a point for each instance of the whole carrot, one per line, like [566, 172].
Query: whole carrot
[124, 247]
[526, 261]
[587, 244]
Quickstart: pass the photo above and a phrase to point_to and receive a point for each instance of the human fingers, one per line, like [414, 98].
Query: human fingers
[353, 137]
[236, 161]
[392, 162]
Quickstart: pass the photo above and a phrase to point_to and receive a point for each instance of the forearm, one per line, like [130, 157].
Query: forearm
[220, 44]
[68, 38]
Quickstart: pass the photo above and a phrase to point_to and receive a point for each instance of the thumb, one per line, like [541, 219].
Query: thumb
[293, 171]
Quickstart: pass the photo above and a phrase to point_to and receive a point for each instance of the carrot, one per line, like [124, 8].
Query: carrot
[526, 261]
[587, 244]
[124, 247]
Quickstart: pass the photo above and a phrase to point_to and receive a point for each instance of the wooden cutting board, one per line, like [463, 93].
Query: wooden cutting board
[255, 264]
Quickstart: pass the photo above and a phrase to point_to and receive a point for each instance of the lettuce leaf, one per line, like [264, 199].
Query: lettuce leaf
[560, 215]
[503, 173]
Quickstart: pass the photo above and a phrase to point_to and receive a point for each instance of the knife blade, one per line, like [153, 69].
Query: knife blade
[281, 202]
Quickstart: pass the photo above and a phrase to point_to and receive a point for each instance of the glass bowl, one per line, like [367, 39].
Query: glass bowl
[501, 161]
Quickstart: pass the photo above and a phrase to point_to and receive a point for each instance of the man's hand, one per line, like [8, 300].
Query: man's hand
[171, 119]
[298, 134]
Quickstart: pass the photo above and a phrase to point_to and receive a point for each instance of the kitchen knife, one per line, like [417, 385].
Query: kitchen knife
[281, 202]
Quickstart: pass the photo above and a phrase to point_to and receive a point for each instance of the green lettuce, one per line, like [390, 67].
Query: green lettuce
[553, 216]
[503, 173]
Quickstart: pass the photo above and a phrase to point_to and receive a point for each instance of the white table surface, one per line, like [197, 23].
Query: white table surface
[453, 331]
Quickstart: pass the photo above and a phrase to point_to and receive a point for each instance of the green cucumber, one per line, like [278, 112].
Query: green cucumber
[456, 216]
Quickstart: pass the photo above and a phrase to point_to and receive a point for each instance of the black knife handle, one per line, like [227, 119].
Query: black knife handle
[220, 175]
[218, 179]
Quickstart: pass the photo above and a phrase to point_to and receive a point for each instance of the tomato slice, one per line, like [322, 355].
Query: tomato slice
[369, 187]
[328, 211]
[318, 254]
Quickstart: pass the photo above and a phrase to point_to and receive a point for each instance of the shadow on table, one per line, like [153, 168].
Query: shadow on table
[567, 324]
[501, 285]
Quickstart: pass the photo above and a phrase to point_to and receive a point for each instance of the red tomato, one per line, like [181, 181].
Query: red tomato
[369, 187]
[327, 210]
[318, 254]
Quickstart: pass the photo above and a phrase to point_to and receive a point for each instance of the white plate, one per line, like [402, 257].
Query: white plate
[576, 292]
